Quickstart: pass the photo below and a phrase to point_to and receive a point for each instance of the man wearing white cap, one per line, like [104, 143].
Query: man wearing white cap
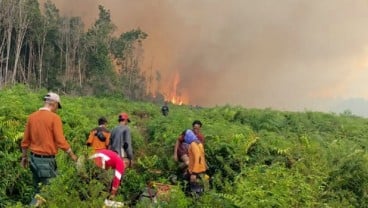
[43, 136]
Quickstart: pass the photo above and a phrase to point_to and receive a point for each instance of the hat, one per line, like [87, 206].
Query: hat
[189, 137]
[123, 117]
[53, 97]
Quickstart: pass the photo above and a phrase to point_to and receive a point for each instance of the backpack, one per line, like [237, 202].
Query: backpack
[99, 134]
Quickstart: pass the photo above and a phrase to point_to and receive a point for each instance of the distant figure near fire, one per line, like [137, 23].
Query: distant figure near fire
[165, 109]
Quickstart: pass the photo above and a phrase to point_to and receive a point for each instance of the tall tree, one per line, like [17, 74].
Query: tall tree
[43, 49]
[30, 46]
[46, 25]
[99, 65]
[75, 49]
[21, 22]
[128, 51]
[49, 48]
[7, 10]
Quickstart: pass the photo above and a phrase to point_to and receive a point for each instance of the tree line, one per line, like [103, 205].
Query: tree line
[42, 49]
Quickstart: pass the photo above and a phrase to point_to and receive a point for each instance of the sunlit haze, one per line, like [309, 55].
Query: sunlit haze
[287, 54]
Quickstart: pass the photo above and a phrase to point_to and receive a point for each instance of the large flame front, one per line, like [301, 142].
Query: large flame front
[173, 95]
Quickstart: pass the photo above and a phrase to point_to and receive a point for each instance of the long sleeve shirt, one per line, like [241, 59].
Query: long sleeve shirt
[43, 133]
[95, 142]
[106, 159]
[121, 141]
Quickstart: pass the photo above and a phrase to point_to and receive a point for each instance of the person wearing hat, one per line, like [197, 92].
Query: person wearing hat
[121, 140]
[43, 136]
[99, 138]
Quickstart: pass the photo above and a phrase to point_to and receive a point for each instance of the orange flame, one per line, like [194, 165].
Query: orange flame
[174, 96]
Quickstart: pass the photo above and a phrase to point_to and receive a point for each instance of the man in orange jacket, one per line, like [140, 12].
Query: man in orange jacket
[43, 136]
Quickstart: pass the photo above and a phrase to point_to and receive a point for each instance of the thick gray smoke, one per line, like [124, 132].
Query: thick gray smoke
[287, 54]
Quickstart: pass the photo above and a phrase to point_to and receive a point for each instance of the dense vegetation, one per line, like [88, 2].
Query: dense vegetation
[257, 157]
[43, 49]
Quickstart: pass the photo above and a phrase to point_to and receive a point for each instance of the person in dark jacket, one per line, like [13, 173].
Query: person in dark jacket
[165, 109]
[121, 140]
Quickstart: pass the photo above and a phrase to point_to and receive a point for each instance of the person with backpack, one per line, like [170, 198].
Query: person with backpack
[43, 136]
[99, 138]
[121, 140]
[181, 148]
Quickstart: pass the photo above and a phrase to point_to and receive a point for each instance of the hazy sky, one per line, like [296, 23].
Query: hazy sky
[283, 54]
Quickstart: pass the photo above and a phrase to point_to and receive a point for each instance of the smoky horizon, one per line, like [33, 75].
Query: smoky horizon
[290, 55]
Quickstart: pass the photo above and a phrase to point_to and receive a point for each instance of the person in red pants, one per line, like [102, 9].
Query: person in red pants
[107, 159]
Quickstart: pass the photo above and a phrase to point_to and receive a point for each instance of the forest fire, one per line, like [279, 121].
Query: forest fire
[173, 94]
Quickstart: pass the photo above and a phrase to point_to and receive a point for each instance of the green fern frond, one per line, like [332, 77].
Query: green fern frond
[250, 142]
[233, 199]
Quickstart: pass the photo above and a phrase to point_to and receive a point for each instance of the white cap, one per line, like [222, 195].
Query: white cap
[53, 97]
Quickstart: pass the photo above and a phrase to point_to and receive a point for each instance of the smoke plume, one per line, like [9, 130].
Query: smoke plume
[281, 54]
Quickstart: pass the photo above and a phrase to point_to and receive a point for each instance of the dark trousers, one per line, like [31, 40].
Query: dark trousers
[42, 169]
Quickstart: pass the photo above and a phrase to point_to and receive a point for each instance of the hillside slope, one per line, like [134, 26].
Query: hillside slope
[256, 157]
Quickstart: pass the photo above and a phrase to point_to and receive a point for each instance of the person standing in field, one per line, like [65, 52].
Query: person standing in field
[99, 138]
[43, 136]
[121, 140]
[197, 161]
[181, 148]
[165, 109]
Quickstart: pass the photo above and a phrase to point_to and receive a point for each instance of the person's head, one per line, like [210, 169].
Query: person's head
[102, 121]
[197, 125]
[123, 117]
[52, 101]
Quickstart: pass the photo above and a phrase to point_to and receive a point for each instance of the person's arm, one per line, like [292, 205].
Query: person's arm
[176, 150]
[72, 155]
[60, 139]
[128, 145]
[24, 161]
[90, 138]
[112, 142]
[179, 141]
[107, 142]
